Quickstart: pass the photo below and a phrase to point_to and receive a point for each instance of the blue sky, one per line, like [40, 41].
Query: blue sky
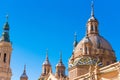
[37, 25]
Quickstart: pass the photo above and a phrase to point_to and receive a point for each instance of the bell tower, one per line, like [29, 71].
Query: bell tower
[46, 68]
[60, 68]
[5, 53]
[92, 24]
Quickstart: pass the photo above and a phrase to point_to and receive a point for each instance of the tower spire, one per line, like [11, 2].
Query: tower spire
[7, 18]
[46, 66]
[60, 68]
[5, 34]
[92, 9]
[47, 54]
[24, 69]
[46, 62]
[61, 57]
[24, 75]
[75, 41]
[75, 36]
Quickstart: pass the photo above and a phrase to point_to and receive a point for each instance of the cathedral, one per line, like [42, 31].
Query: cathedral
[92, 58]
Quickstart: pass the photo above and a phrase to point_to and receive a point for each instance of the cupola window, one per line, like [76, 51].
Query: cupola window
[92, 29]
[58, 72]
[4, 59]
[45, 71]
[85, 50]
[96, 29]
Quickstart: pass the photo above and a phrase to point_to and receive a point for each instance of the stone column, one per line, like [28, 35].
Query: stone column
[118, 69]
[96, 72]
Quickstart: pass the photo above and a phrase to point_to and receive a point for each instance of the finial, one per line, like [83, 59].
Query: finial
[7, 18]
[25, 68]
[75, 36]
[75, 41]
[92, 8]
[61, 56]
[46, 54]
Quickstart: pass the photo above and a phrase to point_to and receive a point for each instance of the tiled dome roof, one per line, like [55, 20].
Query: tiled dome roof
[96, 43]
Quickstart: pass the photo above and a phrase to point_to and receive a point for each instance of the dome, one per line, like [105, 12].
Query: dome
[24, 76]
[60, 64]
[92, 47]
[46, 62]
[97, 42]
[86, 40]
[92, 18]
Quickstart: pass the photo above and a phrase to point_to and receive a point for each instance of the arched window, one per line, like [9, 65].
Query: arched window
[86, 49]
[58, 72]
[48, 70]
[92, 28]
[4, 59]
[45, 71]
[96, 29]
